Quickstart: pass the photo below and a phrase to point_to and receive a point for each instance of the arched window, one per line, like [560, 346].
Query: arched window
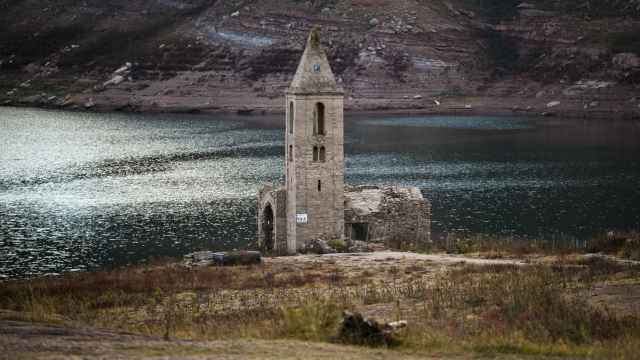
[291, 117]
[290, 152]
[319, 186]
[318, 119]
[323, 154]
[315, 153]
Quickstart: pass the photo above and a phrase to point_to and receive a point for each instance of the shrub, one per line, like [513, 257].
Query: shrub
[338, 245]
[316, 321]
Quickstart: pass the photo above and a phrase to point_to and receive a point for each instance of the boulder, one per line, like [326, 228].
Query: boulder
[358, 330]
[553, 104]
[229, 258]
[319, 246]
[374, 22]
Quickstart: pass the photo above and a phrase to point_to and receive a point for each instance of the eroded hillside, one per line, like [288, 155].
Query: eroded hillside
[425, 55]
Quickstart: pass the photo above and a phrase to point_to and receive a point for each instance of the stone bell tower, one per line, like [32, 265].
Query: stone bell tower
[314, 151]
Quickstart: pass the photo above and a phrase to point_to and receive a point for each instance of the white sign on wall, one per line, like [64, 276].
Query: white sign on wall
[301, 218]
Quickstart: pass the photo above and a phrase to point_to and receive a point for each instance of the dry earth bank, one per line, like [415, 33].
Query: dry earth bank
[457, 307]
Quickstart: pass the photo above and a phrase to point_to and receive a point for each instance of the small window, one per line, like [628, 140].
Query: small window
[318, 119]
[315, 153]
[291, 117]
[319, 186]
[290, 153]
[323, 154]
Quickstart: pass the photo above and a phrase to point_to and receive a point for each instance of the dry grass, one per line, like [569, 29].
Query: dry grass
[622, 244]
[491, 247]
[537, 309]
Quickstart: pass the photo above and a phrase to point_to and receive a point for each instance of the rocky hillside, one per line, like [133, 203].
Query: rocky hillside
[552, 56]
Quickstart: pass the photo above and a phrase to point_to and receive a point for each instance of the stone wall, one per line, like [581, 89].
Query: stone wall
[324, 207]
[398, 217]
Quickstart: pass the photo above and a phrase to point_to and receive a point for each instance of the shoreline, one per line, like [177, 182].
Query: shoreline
[450, 109]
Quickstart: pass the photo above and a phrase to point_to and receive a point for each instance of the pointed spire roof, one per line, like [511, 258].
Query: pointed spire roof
[314, 75]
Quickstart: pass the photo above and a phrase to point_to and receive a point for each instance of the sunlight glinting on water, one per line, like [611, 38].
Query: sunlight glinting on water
[82, 191]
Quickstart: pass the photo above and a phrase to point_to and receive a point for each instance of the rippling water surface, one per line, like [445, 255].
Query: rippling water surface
[84, 191]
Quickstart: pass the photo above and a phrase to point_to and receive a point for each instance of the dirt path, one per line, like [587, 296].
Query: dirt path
[21, 340]
[393, 256]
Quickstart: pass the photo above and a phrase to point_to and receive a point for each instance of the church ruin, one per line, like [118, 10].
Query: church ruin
[314, 203]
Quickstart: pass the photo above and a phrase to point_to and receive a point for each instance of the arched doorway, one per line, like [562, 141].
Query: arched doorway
[267, 229]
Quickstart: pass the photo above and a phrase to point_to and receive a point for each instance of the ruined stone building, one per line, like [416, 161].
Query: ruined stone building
[314, 203]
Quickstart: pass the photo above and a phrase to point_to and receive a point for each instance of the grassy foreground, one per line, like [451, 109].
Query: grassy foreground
[562, 306]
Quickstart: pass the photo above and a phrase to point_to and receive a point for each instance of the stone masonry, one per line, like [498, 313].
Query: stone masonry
[311, 205]
[398, 217]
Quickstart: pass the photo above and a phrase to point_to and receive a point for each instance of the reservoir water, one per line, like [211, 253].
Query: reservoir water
[83, 191]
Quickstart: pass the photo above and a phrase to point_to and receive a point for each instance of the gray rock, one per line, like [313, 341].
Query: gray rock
[122, 69]
[200, 66]
[32, 99]
[626, 61]
[229, 258]
[525, 5]
[114, 80]
[374, 22]
[358, 246]
[319, 246]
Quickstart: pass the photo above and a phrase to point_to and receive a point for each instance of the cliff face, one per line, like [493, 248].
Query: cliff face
[427, 55]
